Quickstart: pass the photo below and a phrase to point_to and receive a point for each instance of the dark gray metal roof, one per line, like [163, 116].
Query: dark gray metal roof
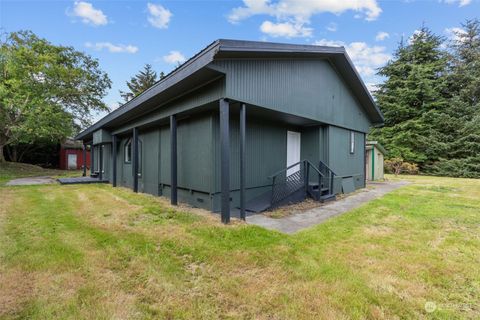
[193, 72]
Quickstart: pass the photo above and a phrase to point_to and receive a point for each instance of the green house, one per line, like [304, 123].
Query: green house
[241, 127]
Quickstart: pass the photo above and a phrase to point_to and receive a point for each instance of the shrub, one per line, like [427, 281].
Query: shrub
[398, 165]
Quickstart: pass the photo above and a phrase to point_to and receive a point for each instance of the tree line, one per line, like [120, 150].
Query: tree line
[431, 102]
[430, 97]
[49, 93]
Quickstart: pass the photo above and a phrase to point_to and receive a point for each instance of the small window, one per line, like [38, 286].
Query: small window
[352, 142]
[128, 151]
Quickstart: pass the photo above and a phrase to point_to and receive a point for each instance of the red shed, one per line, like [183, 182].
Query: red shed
[71, 155]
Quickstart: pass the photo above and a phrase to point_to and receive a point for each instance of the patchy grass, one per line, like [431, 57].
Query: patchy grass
[14, 170]
[95, 252]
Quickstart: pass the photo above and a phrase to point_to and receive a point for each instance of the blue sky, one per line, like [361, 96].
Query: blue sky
[125, 35]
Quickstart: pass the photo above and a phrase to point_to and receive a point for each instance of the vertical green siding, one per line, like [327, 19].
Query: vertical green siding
[194, 147]
[266, 153]
[207, 94]
[107, 160]
[195, 160]
[96, 158]
[148, 180]
[101, 136]
[310, 145]
[194, 138]
[310, 148]
[307, 88]
[164, 174]
[341, 160]
[324, 144]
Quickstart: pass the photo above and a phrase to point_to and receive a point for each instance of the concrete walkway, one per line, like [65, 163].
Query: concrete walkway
[309, 218]
[30, 181]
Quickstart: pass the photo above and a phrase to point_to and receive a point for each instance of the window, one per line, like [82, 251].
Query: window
[128, 154]
[128, 151]
[352, 142]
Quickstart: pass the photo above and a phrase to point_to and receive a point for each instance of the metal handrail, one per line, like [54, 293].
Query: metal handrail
[293, 165]
[323, 163]
[331, 174]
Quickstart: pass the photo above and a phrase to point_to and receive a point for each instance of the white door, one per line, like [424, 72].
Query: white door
[72, 161]
[293, 151]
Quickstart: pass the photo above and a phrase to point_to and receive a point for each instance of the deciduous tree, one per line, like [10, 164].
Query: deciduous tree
[47, 91]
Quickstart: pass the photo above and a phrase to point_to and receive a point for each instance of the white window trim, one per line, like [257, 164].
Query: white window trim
[352, 142]
[128, 155]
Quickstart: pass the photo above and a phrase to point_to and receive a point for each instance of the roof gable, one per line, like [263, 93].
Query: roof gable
[195, 69]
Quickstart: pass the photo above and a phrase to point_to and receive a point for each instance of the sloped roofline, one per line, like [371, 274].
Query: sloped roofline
[226, 47]
[377, 145]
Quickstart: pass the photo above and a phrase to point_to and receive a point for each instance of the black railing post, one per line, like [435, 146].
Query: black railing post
[114, 159]
[173, 160]
[92, 159]
[331, 183]
[273, 190]
[225, 159]
[135, 159]
[243, 118]
[84, 160]
[306, 173]
[100, 162]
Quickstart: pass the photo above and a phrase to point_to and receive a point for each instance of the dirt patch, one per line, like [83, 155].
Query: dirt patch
[308, 204]
[105, 211]
[16, 288]
[295, 208]
[377, 230]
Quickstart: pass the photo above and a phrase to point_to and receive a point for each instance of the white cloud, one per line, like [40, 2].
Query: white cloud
[89, 14]
[302, 10]
[174, 57]
[461, 3]
[455, 33]
[415, 33]
[296, 14]
[119, 48]
[332, 27]
[285, 29]
[365, 58]
[382, 35]
[329, 43]
[372, 87]
[159, 16]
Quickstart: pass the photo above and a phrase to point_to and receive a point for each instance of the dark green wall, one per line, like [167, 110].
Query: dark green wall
[150, 148]
[341, 160]
[209, 93]
[101, 136]
[194, 160]
[307, 88]
[266, 153]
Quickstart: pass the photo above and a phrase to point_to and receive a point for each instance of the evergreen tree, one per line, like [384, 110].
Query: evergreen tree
[141, 82]
[463, 158]
[413, 100]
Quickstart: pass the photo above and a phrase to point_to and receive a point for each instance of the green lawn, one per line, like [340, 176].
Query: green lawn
[94, 252]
